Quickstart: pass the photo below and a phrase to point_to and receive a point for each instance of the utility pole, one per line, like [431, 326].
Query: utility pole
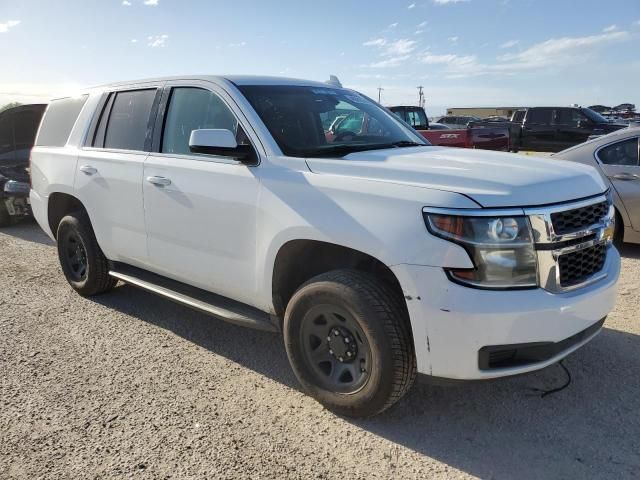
[380, 89]
[420, 96]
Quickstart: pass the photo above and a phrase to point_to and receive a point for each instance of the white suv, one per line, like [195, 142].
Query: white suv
[376, 255]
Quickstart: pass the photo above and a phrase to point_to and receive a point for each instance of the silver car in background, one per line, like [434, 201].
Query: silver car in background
[617, 157]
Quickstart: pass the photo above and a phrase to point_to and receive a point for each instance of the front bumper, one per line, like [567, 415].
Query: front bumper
[451, 323]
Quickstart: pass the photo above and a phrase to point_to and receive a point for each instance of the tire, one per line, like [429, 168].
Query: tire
[5, 218]
[618, 234]
[366, 313]
[83, 263]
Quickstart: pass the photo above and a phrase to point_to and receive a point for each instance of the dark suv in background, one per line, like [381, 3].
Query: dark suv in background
[553, 129]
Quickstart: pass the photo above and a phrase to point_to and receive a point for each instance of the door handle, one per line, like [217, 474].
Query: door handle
[159, 181]
[88, 170]
[626, 176]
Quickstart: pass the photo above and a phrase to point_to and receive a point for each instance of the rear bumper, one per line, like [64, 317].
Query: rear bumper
[452, 324]
[40, 213]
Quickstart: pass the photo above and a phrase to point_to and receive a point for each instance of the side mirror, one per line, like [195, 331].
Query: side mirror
[220, 142]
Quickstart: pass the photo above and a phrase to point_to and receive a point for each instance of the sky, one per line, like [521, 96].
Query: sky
[463, 52]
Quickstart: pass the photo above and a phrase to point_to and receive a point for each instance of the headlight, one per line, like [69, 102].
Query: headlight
[501, 249]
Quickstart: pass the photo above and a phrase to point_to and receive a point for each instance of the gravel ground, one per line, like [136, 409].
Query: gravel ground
[130, 385]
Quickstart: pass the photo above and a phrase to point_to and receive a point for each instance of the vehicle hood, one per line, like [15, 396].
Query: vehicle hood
[609, 127]
[492, 179]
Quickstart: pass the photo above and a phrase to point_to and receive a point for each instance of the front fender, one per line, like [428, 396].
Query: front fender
[382, 220]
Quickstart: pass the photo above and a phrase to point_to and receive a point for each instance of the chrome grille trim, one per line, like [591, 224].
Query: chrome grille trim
[545, 236]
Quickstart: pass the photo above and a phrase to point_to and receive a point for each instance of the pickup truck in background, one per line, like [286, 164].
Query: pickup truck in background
[482, 137]
[552, 129]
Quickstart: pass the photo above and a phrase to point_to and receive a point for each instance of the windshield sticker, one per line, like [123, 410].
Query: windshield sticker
[355, 99]
[324, 91]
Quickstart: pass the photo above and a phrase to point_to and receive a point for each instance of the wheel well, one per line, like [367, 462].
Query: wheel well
[620, 224]
[300, 260]
[61, 204]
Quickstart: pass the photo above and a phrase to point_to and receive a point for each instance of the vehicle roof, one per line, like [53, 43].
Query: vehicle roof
[236, 79]
[554, 106]
[617, 135]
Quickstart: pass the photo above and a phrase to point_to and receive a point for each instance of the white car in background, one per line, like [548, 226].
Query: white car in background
[617, 157]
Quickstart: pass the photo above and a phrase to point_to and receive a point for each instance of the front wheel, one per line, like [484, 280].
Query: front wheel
[618, 233]
[82, 261]
[349, 342]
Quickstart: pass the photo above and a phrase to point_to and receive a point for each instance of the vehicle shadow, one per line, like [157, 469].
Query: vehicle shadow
[630, 250]
[29, 231]
[500, 429]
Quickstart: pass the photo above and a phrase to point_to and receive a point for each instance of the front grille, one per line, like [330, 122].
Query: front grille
[579, 218]
[578, 266]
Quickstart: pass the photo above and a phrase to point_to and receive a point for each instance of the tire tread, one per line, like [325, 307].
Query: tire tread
[390, 308]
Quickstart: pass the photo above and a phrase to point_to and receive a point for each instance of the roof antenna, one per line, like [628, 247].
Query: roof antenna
[333, 81]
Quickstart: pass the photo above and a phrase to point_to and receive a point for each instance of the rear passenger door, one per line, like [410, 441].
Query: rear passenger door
[110, 167]
[200, 210]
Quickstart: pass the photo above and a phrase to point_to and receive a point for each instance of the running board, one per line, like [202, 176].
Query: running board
[196, 298]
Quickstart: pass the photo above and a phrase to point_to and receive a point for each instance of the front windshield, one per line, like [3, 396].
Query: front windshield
[326, 121]
[594, 116]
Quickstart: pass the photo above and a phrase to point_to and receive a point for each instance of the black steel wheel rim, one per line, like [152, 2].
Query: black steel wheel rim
[335, 348]
[75, 256]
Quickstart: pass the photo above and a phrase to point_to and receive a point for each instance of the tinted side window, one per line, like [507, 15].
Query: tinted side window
[58, 121]
[621, 153]
[540, 115]
[129, 120]
[193, 109]
[98, 137]
[570, 116]
[6, 136]
[519, 116]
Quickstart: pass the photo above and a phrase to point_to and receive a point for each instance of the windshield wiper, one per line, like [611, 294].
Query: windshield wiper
[408, 143]
[342, 150]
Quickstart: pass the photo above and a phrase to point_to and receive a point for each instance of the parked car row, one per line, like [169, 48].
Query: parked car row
[454, 135]
[553, 129]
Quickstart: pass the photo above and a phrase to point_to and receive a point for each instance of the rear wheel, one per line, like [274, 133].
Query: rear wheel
[5, 218]
[82, 261]
[348, 340]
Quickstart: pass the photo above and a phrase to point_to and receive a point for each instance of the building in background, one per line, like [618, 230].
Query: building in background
[483, 112]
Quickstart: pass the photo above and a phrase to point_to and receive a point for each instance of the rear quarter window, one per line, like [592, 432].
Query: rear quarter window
[540, 115]
[58, 121]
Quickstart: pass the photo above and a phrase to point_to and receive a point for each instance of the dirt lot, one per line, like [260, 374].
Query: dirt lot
[131, 385]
